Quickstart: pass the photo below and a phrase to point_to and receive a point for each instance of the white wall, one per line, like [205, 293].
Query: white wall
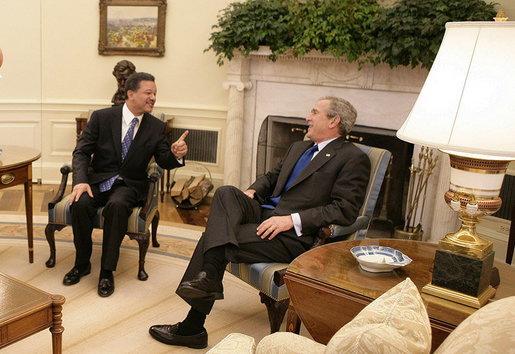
[52, 73]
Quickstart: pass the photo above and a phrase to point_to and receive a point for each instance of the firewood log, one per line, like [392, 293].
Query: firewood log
[199, 192]
[177, 187]
[184, 192]
[194, 184]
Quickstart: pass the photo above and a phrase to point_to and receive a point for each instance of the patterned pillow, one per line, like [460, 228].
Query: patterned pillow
[395, 322]
[236, 343]
[490, 329]
[288, 343]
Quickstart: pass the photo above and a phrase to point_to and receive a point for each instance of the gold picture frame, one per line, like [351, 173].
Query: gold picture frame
[132, 27]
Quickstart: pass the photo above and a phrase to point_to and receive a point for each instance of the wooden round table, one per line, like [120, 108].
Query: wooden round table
[16, 168]
[328, 288]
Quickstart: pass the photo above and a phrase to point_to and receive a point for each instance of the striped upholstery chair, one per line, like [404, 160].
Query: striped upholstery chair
[142, 217]
[267, 277]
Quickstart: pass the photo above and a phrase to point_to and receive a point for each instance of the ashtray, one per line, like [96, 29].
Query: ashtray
[379, 258]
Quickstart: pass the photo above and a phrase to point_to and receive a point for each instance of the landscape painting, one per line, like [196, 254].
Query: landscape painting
[132, 27]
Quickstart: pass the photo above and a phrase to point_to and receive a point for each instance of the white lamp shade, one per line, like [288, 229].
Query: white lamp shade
[467, 104]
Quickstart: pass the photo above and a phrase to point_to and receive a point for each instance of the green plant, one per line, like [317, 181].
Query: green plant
[407, 33]
[338, 27]
[410, 32]
[247, 25]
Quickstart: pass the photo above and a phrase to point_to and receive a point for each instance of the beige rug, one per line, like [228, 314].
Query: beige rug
[119, 323]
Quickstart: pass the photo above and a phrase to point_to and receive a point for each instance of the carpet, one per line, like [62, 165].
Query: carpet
[176, 240]
[119, 323]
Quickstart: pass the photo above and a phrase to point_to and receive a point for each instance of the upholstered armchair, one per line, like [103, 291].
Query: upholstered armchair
[142, 217]
[267, 277]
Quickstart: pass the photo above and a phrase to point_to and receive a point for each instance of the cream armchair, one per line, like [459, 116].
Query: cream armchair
[396, 322]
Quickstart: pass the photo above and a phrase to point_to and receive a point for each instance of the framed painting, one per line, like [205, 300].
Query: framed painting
[132, 27]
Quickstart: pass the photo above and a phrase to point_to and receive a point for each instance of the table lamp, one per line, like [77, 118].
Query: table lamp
[466, 108]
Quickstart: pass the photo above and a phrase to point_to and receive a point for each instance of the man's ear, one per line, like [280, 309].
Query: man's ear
[130, 93]
[335, 122]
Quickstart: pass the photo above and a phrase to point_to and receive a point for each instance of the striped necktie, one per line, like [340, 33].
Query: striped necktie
[302, 162]
[126, 144]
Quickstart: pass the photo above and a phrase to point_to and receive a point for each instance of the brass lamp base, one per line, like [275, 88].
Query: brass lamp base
[455, 296]
[466, 240]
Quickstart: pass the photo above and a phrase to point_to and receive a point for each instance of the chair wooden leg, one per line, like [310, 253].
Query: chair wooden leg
[50, 237]
[155, 224]
[162, 192]
[167, 181]
[276, 311]
[143, 243]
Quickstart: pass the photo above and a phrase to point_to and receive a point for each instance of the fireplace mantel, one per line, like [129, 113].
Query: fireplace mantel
[290, 86]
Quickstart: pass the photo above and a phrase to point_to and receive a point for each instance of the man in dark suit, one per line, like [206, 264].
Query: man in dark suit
[275, 220]
[111, 172]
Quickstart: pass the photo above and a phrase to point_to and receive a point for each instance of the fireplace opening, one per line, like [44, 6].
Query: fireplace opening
[277, 133]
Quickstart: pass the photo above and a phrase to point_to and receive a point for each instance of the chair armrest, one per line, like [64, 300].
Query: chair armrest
[65, 171]
[360, 224]
[154, 168]
[279, 277]
[153, 177]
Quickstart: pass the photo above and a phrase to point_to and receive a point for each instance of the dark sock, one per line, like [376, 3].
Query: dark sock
[192, 324]
[214, 262]
[82, 267]
[104, 273]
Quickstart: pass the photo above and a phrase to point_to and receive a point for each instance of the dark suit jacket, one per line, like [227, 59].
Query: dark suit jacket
[330, 190]
[98, 154]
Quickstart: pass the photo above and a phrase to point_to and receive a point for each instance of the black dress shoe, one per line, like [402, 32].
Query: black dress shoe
[168, 334]
[106, 286]
[74, 275]
[201, 287]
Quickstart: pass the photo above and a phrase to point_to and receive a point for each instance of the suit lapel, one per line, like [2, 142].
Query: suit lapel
[288, 166]
[318, 161]
[116, 130]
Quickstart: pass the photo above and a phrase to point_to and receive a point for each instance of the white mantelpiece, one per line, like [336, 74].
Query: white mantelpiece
[291, 86]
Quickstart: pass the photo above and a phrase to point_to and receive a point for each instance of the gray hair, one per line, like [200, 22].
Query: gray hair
[343, 109]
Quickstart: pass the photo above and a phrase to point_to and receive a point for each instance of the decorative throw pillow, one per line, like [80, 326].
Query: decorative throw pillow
[395, 322]
[490, 329]
[288, 343]
[236, 343]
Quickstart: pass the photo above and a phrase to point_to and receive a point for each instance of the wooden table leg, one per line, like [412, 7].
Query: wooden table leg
[292, 320]
[57, 329]
[28, 212]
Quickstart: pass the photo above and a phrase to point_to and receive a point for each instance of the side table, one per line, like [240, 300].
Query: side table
[16, 168]
[328, 288]
[25, 310]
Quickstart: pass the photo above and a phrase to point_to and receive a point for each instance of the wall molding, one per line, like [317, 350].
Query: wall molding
[192, 110]
[54, 126]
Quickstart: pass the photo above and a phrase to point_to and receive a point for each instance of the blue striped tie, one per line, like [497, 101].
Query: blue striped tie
[299, 166]
[126, 144]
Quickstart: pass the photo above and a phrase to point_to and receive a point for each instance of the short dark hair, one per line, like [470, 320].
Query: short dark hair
[134, 80]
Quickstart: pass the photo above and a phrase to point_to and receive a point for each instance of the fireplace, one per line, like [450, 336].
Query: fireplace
[277, 133]
[289, 87]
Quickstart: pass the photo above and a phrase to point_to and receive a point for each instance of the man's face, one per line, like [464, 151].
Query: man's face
[320, 126]
[142, 100]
